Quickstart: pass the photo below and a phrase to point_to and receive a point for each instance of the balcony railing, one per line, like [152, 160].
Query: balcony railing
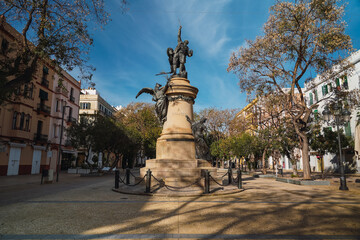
[72, 99]
[43, 108]
[45, 82]
[62, 90]
[40, 137]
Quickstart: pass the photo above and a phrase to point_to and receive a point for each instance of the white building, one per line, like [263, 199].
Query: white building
[318, 90]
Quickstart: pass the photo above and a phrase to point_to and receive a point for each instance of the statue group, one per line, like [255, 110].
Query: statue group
[177, 57]
[160, 99]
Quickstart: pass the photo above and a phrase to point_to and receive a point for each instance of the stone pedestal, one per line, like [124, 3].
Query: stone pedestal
[175, 161]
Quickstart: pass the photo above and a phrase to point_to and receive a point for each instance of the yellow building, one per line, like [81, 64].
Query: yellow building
[27, 122]
[249, 115]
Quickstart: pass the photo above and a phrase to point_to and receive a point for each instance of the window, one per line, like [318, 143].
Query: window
[27, 123]
[43, 95]
[324, 90]
[22, 119]
[311, 98]
[26, 89]
[85, 105]
[45, 70]
[316, 95]
[344, 82]
[4, 46]
[57, 105]
[337, 81]
[70, 113]
[13, 126]
[330, 87]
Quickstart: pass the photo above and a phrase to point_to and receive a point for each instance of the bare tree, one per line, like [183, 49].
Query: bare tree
[299, 36]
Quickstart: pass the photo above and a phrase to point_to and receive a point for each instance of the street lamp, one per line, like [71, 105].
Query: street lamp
[341, 116]
[61, 134]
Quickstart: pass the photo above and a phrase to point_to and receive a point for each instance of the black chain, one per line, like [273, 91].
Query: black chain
[121, 180]
[224, 175]
[132, 174]
[223, 185]
[138, 182]
[168, 186]
[159, 181]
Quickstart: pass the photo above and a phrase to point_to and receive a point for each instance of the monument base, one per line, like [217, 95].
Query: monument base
[178, 173]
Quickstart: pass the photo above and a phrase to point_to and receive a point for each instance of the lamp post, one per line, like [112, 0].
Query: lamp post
[341, 116]
[61, 135]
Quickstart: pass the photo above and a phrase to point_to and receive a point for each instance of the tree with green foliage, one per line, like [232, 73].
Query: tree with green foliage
[141, 120]
[325, 141]
[81, 135]
[299, 36]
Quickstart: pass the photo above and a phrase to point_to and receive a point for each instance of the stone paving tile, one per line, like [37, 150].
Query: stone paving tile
[266, 208]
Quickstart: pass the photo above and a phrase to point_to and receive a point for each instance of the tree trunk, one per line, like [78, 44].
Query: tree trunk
[294, 167]
[263, 161]
[114, 164]
[305, 157]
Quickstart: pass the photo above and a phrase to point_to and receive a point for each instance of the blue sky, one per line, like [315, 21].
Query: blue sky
[132, 47]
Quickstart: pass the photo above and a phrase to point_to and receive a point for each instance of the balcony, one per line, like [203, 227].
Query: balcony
[42, 108]
[72, 99]
[45, 82]
[40, 137]
[62, 91]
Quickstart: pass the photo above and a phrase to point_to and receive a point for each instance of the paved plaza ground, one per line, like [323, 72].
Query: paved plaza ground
[86, 208]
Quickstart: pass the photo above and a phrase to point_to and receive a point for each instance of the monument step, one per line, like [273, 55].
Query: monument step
[171, 163]
[176, 173]
[189, 182]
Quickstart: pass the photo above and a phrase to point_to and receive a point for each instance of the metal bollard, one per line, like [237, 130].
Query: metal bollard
[127, 174]
[281, 171]
[117, 179]
[148, 181]
[207, 182]
[239, 179]
[229, 176]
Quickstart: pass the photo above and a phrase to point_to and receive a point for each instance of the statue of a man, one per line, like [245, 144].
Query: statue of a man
[158, 96]
[201, 148]
[177, 57]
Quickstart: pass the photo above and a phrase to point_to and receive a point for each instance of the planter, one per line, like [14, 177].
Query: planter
[73, 170]
[83, 171]
[302, 182]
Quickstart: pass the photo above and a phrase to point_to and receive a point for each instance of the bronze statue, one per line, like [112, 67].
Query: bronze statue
[160, 98]
[177, 57]
[201, 148]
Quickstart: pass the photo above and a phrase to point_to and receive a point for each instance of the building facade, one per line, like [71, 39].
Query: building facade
[27, 122]
[91, 103]
[316, 93]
